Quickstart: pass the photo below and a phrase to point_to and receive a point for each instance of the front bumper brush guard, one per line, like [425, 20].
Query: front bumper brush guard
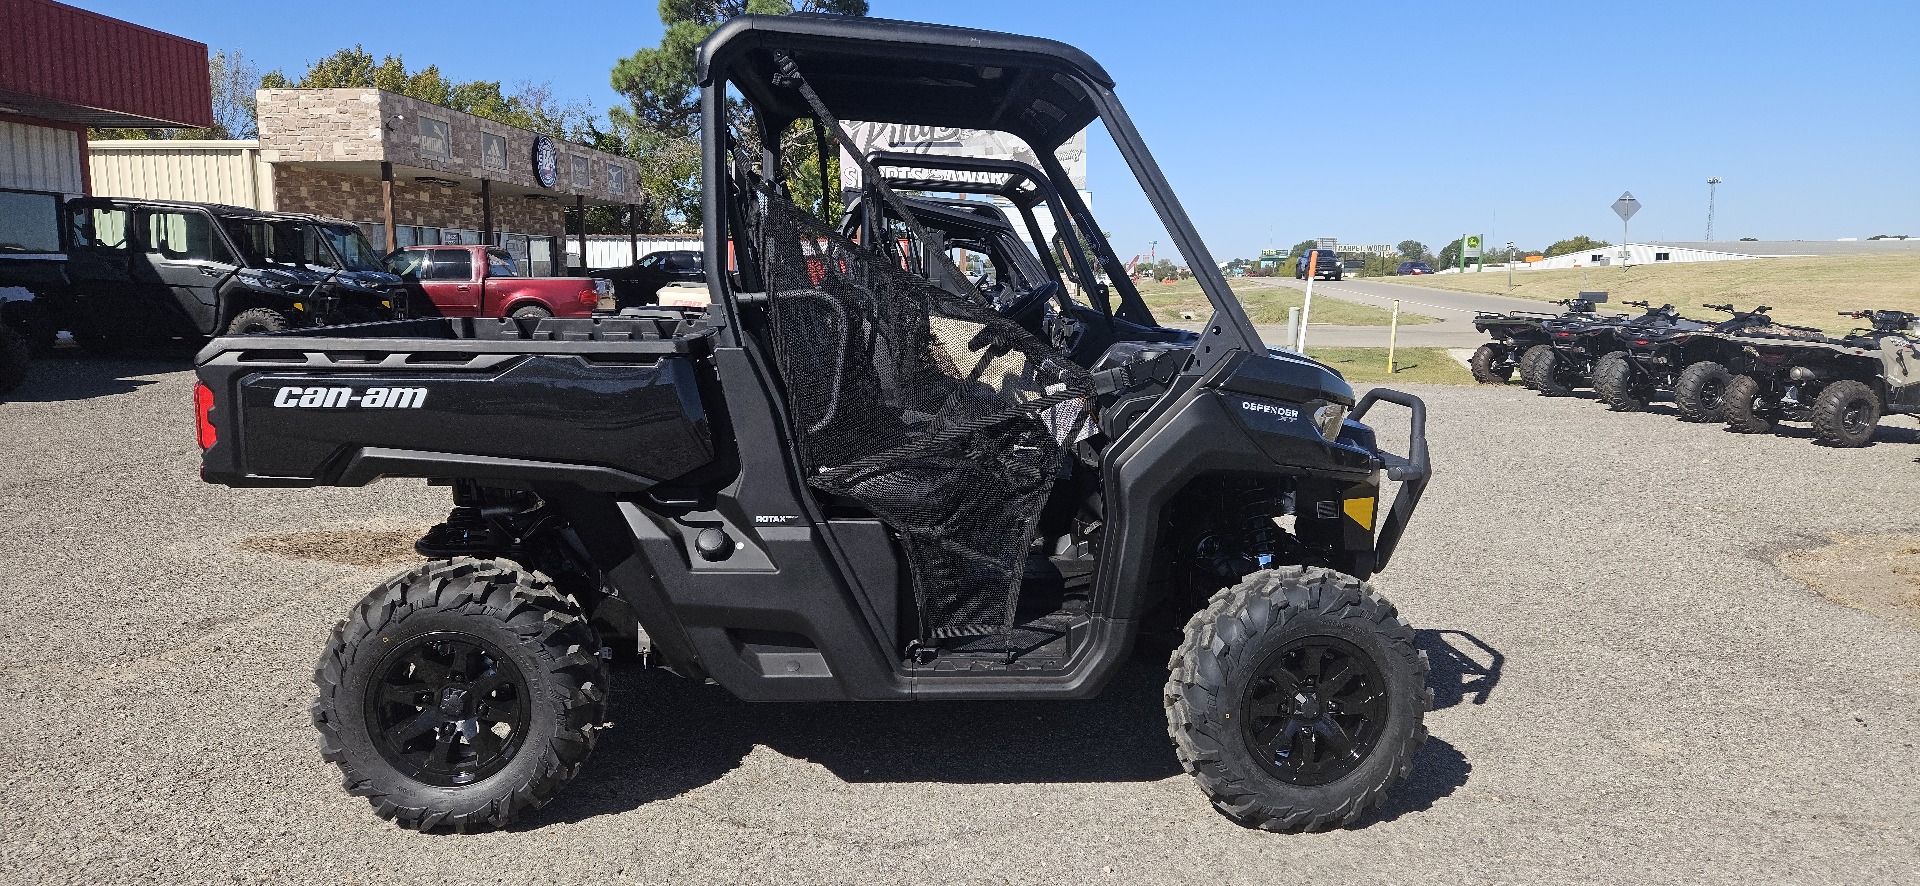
[1412, 472]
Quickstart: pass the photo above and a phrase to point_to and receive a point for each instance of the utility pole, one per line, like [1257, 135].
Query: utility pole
[1713, 187]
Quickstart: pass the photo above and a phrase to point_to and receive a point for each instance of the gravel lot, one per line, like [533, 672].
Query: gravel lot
[1667, 706]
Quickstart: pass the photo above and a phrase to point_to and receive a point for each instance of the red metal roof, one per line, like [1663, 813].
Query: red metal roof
[67, 64]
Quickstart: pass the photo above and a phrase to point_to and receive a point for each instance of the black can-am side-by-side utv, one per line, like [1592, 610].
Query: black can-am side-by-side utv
[847, 481]
[1685, 357]
[1842, 387]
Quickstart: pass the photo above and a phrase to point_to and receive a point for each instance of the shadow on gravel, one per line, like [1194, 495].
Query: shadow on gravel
[1461, 666]
[672, 736]
[1439, 769]
[1881, 434]
[72, 374]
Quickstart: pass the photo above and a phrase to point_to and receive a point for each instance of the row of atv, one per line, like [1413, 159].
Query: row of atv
[1746, 369]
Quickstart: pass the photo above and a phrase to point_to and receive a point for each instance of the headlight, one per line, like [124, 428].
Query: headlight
[271, 284]
[1328, 419]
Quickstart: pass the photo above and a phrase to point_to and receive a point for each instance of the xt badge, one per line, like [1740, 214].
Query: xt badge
[343, 398]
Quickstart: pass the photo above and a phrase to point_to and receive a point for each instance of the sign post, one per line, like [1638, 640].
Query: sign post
[1306, 304]
[1509, 265]
[1393, 335]
[1625, 207]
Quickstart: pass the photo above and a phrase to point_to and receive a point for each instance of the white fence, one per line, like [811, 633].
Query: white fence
[614, 250]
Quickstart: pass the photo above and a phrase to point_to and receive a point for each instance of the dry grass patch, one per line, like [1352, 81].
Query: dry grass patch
[1264, 304]
[1802, 291]
[1879, 574]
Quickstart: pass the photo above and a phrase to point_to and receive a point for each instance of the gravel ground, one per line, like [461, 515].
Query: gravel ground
[1664, 705]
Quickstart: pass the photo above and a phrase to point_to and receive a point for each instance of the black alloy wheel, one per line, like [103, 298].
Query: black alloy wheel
[1315, 711]
[448, 709]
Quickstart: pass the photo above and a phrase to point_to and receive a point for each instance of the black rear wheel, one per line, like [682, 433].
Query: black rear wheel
[1845, 414]
[1541, 366]
[15, 359]
[1615, 380]
[1488, 365]
[1744, 408]
[255, 321]
[460, 695]
[1296, 699]
[1700, 392]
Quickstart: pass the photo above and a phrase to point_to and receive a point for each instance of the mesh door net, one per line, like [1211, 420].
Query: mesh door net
[944, 419]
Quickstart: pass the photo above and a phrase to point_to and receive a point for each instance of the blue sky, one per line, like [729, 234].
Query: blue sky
[1370, 122]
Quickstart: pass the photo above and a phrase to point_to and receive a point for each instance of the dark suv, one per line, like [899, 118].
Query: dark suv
[1325, 267]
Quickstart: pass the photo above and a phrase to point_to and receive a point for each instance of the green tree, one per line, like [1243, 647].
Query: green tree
[1300, 248]
[1413, 250]
[1571, 245]
[1165, 269]
[663, 113]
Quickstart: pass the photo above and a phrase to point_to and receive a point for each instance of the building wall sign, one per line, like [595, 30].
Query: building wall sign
[546, 161]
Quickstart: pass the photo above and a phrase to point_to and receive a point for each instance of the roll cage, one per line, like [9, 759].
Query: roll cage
[1042, 91]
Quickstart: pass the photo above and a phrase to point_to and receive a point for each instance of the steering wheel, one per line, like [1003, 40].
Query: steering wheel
[1027, 308]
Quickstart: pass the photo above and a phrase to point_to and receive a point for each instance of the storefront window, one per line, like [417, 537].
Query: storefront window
[29, 223]
[459, 236]
[435, 139]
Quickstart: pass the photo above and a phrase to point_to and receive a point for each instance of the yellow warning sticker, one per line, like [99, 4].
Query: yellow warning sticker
[1360, 510]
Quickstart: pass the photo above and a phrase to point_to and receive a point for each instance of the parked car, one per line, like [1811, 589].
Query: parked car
[1326, 265]
[639, 283]
[1409, 268]
[485, 281]
[148, 270]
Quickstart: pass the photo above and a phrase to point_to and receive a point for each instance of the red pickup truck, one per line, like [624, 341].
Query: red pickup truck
[484, 281]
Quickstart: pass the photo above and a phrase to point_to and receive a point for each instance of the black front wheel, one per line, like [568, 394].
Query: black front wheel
[1297, 699]
[1845, 414]
[1543, 369]
[460, 695]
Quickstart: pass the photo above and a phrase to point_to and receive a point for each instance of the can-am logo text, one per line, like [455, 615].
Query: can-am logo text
[342, 398]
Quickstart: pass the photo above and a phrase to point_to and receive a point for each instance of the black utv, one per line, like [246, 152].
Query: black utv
[850, 481]
[141, 271]
[1681, 355]
[1840, 386]
[1517, 333]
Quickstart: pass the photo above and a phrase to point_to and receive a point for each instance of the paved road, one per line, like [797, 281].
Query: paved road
[1454, 310]
[1663, 704]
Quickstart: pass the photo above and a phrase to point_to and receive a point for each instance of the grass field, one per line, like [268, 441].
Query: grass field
[1264, 304]
[1414, 366]
[1802, 291]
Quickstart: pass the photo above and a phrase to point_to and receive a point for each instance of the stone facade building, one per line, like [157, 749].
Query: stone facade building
[409, 172]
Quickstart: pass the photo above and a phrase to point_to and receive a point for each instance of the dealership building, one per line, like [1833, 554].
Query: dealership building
[63, 70]
[407, 171]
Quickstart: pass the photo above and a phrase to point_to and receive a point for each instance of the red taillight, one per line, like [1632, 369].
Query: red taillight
[203, 412]
[1639, 341]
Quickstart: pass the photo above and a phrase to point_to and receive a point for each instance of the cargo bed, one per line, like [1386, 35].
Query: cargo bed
[610, 404]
